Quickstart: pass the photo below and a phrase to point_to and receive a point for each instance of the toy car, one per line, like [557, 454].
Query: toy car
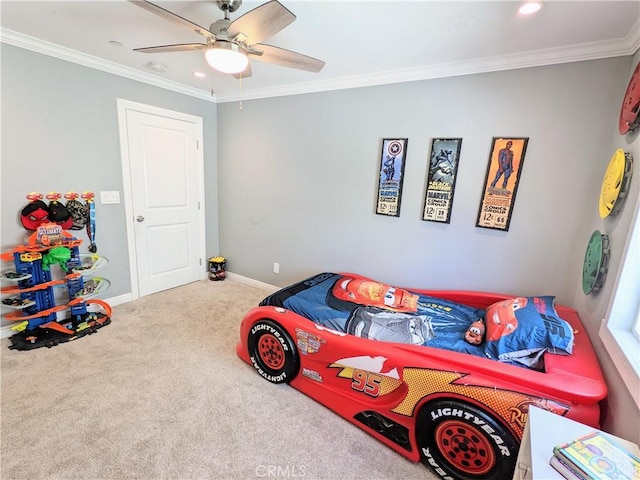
[461, 414]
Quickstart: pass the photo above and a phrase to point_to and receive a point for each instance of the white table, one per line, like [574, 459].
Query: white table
[543, 431]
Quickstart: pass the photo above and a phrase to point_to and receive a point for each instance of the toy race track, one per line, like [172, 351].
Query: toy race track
[37, 310]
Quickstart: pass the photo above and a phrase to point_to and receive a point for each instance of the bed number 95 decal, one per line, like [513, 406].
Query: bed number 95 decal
[366, 382]
[370, 383]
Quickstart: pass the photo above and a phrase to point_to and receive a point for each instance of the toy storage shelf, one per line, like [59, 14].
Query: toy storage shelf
[93, 286]
[17, 303]
[51, 291]
[90, 263]
[15, 277]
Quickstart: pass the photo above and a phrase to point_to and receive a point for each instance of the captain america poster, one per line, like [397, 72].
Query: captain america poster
[391, 175]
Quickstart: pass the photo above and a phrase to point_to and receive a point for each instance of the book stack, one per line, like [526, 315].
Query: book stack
[595, 457]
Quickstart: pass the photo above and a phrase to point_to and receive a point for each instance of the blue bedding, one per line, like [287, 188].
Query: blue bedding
[373, 310]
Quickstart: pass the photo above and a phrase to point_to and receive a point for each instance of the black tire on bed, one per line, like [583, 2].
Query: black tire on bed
[464, 442]
[272, 351]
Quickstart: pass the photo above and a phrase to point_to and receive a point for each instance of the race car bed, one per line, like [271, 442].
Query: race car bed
[395, 362]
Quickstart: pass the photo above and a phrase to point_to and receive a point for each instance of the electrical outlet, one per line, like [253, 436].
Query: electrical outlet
[276, 267]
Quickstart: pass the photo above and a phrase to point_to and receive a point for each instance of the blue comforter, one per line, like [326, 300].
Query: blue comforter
[381, 312]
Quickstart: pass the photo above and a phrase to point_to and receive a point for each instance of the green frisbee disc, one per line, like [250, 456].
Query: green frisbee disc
[596, 263]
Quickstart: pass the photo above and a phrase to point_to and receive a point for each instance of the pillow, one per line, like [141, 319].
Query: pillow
[521, 329]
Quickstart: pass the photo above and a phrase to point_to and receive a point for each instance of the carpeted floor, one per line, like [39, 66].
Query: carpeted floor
[160, 394]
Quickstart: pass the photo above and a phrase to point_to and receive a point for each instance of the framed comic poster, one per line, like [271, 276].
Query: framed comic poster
[441, 179]
[391, 175]
[501, 182]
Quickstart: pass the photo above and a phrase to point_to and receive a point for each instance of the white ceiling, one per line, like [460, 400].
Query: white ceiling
[362, 42]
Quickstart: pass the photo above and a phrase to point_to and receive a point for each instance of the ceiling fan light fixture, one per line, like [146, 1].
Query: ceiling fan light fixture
[529, 8]
[227, 57]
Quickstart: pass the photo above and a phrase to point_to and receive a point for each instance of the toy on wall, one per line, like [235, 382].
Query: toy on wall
[75, 215]
[615, 184]
[35, 212]
[58, 213]
[79, 211]
[596, 263]
[629, 119]
[91, 220]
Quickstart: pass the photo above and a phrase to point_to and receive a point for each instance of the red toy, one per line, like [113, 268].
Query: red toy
[461, 415]
[630, 110]
[35, 212]
[475, 334]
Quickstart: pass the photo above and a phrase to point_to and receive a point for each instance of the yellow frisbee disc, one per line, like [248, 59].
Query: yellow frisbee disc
[615, 184]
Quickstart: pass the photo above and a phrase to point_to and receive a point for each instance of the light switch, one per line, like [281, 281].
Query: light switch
[109, 197]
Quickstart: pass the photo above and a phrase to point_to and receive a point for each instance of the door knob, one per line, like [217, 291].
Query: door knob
[140, 218]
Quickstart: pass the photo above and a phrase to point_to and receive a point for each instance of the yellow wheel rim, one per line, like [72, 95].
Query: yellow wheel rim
[615, 183]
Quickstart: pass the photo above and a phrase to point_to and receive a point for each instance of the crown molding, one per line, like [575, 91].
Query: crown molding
[537, 58]
[552, 56]
[40, 46]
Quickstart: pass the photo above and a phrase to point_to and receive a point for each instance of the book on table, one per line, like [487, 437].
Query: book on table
[567, 471]
[595, 457]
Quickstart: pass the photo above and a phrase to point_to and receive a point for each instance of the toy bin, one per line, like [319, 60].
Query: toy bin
[217, 268]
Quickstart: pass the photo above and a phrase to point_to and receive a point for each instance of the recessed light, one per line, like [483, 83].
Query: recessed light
[529, 8]
[199, 74]
[157, 66]
[115, 43]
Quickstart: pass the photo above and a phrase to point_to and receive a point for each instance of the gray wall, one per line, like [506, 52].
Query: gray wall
[620, 414]
[60, 132]
[297, 177]
[297, 183]
[306, 167]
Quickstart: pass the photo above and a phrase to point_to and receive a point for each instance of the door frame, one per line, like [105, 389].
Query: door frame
[123, 107]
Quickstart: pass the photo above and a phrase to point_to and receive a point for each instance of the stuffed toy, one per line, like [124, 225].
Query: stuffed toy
[59, 255]
[475, 334]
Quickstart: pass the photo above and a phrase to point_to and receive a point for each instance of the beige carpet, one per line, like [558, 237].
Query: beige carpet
[160, 394]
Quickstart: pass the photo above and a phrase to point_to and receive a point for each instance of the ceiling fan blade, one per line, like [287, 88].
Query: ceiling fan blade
[245, 74]
[172, 17]
[286, 58]
[262, 22]
[181, 47]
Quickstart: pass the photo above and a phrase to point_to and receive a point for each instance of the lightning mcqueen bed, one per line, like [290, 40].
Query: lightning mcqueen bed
[395, 363]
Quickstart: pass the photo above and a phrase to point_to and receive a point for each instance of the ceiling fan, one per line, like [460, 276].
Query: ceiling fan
[229, 44]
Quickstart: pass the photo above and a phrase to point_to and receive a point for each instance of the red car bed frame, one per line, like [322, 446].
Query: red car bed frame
[461, 415]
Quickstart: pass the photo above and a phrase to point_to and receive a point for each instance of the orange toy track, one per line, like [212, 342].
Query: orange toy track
[18, 317]
[63, 329]
[103, 304]
[33, 247]
[55, 332]
[40, 286]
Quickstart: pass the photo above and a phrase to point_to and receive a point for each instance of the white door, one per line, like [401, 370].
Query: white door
[165, 201]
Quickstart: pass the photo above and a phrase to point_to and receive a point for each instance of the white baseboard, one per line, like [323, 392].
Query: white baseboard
[252, 282]
[6, 332]
[120, 299]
